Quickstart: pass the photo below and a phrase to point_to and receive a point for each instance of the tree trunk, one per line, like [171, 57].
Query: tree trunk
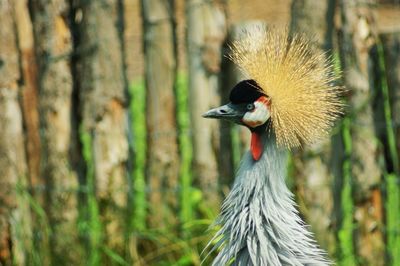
[314, 18]
[162, 148]
[53, 42]
[205, 34]
[29, 91]
[103, 129]
[313, 176]
[358, 36]
[15, 234]
[29, 102]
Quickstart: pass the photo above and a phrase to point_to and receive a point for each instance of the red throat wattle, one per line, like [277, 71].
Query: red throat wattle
[256, 146]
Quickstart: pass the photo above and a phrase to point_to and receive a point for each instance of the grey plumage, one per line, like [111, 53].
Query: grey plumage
[259, 222]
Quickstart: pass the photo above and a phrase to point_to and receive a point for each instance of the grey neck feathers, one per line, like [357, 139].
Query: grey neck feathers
[259, 222]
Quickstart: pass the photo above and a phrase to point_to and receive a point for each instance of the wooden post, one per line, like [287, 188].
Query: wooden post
[53, 45]
[162, 148]
[358, 36]
[30, 90]
[205, 34]
[103, 128]
[15, 234]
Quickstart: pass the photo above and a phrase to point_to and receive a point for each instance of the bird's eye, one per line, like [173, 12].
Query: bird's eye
[250, 107]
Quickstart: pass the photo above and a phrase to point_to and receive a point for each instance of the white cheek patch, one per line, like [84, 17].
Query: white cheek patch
[259, 115]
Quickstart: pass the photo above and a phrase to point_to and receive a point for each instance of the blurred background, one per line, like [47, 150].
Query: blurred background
[106, 160]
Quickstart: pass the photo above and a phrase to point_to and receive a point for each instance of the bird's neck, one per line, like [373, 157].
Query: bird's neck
[269, 166]
[259, 222]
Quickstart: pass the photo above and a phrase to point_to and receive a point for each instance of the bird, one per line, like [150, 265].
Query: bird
[289, 98]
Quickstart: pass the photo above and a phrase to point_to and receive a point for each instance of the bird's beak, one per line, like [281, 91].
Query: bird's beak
[230, 112]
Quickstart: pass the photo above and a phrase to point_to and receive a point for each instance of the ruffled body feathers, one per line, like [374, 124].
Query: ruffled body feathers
[259, 222]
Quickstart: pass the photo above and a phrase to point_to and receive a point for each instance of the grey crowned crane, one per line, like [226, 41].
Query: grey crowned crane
[290, 99]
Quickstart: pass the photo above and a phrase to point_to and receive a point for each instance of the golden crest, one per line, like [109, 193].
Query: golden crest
[298, 78]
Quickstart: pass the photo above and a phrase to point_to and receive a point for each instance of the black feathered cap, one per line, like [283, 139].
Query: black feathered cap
[246, 91]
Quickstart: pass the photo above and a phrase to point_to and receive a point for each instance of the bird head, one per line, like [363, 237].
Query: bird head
[292, 89]
[248, 106]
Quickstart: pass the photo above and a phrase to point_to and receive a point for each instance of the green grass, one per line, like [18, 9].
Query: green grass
[172, 249]
[347, 256]
[138, 127]
[188, 198]
[93, 226]
[345, 234]
[392, 206]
